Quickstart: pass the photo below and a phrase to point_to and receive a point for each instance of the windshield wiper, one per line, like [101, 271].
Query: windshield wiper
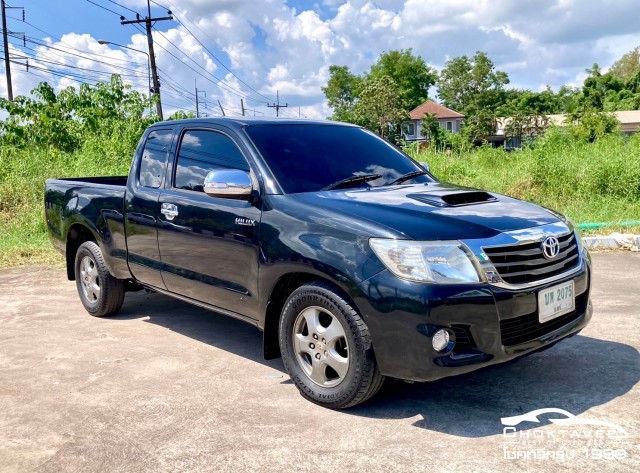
[349, 181]
[406, 177]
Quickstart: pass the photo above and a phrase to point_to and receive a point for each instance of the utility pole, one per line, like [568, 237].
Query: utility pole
[242, 106]
[7, 64]
[197, 105]
[277, 105]
[198, 114]
[152, 57]
[221, 109]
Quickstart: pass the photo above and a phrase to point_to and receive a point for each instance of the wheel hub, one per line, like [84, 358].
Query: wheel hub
[321, 346]
[90, 280]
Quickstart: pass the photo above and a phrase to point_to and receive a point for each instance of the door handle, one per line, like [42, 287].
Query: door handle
[169, 210]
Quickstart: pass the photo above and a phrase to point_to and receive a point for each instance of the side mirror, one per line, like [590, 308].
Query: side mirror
[424, 166]
[229, 183]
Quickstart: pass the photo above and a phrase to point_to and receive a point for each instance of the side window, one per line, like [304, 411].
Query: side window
[154, 157]
[202, 151]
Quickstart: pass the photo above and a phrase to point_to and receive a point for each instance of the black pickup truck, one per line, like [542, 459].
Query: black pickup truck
[355, 261]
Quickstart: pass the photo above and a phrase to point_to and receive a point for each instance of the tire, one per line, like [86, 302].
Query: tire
[326, 348]
[101, 294]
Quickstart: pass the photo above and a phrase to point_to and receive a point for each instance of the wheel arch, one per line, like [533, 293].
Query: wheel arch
[77, 234]
[279, 294]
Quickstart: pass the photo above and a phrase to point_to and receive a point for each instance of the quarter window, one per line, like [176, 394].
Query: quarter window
[154, 157]
[202, 151]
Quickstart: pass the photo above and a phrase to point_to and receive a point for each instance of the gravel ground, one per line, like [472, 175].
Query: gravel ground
[165, 386]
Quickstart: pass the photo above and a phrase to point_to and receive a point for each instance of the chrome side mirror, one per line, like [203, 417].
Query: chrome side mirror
[229, 183]
[424, 166]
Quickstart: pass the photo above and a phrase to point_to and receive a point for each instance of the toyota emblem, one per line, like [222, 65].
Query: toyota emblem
[550, 247]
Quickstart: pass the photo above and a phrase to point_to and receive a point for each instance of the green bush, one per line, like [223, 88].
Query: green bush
[91, 132]
[590, 182]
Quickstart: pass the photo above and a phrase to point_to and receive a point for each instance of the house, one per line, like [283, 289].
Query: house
[447, 119]
[629, 124]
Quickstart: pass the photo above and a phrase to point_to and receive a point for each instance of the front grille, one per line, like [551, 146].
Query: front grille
[522, 264]
[527, 327]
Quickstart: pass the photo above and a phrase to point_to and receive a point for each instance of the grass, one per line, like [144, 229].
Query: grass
[23, 235]
[598, 182]
[588, 182]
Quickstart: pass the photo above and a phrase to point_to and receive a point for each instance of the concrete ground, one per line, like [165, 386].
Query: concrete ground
[169, 387]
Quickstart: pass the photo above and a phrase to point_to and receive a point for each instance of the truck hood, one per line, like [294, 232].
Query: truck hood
[432, 211]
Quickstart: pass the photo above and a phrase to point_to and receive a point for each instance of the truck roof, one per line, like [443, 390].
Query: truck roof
[239, 122]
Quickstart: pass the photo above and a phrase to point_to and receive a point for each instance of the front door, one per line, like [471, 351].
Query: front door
[208, 245]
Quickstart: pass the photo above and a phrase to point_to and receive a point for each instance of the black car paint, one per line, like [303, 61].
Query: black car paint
[205, 257]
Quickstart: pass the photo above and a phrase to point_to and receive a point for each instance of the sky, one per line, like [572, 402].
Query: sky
[254, 50]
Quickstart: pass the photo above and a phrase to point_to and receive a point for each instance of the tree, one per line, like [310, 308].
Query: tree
[522, 125]
[105, 109]
[479, 125]
[410, 73]
[181, 115]
[607, 92]
[526, 102]
[432, 130]
[627, 66]
[342, 91]
[474, 87]
[379, 106]
[568, 98]
[592, 126]
[469, 85]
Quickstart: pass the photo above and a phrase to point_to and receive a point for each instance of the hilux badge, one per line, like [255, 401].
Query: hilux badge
[247, 222]
[550, 247]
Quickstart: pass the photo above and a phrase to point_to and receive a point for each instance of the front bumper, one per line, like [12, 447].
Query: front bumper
[490, 324]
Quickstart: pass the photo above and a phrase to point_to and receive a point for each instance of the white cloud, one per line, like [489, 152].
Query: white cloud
[287, 46]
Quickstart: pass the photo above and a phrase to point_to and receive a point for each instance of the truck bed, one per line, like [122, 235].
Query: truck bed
[108, 180]
[93, 203]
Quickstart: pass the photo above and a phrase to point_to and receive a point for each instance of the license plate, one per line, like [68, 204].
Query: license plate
[556, 301]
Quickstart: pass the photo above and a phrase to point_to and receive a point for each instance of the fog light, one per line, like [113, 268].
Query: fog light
[440, 340]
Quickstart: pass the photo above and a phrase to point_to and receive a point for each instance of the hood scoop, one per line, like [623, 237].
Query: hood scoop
[454, 199]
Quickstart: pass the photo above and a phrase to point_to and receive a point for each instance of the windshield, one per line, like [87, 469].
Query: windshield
[310, 158]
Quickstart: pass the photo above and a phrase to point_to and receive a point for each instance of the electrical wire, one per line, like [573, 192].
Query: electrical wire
[104, 8]
[207, 50]
[122, 6]
[44, 44]
[221, 83]
[95, 71]
[80, 50]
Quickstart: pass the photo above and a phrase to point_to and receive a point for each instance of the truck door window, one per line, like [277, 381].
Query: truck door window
[202, 151]
[154, 157]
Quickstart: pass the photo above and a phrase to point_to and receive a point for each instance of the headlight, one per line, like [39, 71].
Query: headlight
[442, 262]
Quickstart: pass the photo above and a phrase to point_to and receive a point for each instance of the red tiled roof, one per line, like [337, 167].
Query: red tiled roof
[432, 107]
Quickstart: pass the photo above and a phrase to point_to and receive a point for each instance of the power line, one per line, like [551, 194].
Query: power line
[80, 50]
[104, 8]
[74, 67]
[37, 42]
[221, 84]
[122, 6]
[82, 78]
[152, 57]
[209, 52]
